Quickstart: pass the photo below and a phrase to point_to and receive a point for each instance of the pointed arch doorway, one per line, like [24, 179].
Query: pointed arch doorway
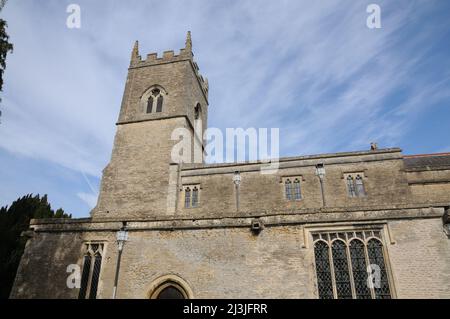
[170, 287]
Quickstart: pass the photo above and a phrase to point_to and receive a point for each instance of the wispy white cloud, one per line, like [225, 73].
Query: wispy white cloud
[89, 199]
[313, 69]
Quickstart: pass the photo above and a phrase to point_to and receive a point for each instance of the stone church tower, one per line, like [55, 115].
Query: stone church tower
[315, 228]
[161, 95]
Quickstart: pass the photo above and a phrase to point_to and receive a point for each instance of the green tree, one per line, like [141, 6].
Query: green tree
[13, 221]
[5, 47]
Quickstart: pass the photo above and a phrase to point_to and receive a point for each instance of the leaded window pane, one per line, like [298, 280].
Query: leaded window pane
[187, 198]
[95, 276]
[323, 270]
[297, 191]
[149, 104]
[359, 269]
[159, 103]
[359, 185]
[85, 277]
[341, 273]
[195, 197]
[347, 250]
[351, 187]
[375, 252]
[288, 189]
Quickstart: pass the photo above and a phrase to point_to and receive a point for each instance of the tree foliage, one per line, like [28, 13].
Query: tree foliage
[5, 47]
[13, 221]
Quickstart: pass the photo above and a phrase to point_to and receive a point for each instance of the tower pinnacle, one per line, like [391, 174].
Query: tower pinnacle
[188, 41]
[135, 53]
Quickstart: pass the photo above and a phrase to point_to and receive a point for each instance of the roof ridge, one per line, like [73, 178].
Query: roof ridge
[425, 155]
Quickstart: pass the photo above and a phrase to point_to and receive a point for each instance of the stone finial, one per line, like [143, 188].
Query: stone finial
[188, 41]
[135, 53]
[373, 146]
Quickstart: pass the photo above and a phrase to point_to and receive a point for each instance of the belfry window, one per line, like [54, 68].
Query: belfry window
[197, 111]
[191, 196]
[155, 101]
[292, 190]
[92, 262]
[355, 185]
[342, 261]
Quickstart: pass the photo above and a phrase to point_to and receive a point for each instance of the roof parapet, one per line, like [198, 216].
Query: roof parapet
[168, 57]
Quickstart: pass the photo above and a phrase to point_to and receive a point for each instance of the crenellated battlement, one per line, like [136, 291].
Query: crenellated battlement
[185, 54]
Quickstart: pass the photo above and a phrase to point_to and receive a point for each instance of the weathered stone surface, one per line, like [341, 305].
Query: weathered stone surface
[210, 249]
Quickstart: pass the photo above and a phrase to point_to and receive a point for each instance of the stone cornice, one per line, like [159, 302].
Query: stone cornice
[273, 220]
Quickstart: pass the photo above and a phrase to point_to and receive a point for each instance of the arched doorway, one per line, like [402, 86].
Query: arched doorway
[170, 287]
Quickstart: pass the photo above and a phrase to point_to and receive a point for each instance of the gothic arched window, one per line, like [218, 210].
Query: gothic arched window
[355, 185]
[187, 197]
[359, 186]
[195, 196]
[342, 261]
[341, 274]
[297, 191]
[191, 195]
[288, 189]
[350, 186]
[154, 100]
[375, 252]
[323, 270]
[197, 112]
[90, 276]
[359, 269]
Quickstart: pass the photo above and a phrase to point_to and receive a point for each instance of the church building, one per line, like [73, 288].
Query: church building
[362, 224]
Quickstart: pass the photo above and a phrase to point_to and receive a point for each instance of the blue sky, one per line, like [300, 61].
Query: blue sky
[311, 68]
